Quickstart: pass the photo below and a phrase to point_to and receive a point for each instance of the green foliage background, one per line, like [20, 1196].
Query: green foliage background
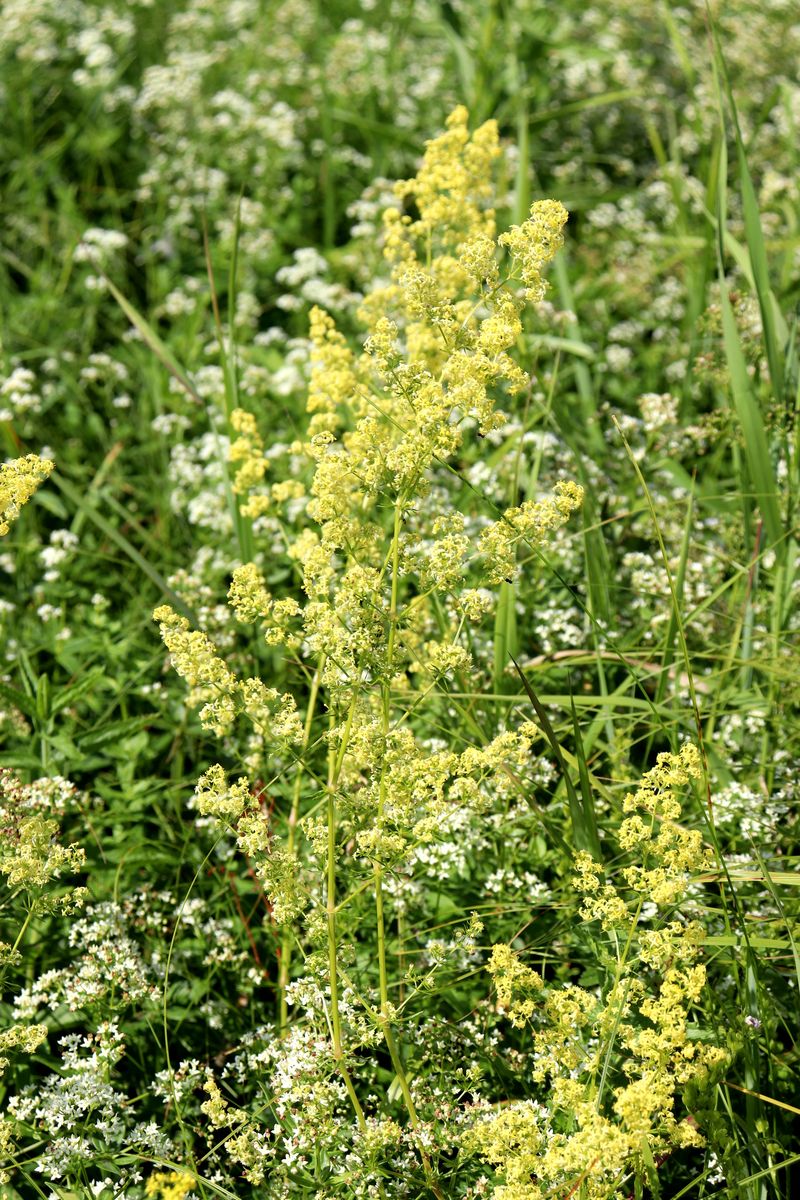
[242, 153]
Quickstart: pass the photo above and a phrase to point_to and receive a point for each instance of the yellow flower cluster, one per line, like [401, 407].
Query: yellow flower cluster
[451, 191]
[237, 806]
[30, 856]
[215, 798]
[248, 452]
[26, 1038]
[513, 981]
[654, 794]
[251, 601]
[434, 363]
[19, 479]
[512, 1141]
[241, 1147]
[334, 383]
[445, 659]
[422, 786]
[195, 658]
[214, 686]
[669, 853]
[614, 1063]
[248, 595]
[380, 1135]
[534, 243]
[436, 354]
[445, 560]
[216, 1107]
[530, 523]
[8, 1148]
[169, 1185]
[384, 425]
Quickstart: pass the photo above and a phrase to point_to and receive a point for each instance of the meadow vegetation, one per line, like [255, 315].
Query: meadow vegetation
[399, 695]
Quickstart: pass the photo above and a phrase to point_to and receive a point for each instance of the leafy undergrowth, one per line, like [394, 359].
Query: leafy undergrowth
[449, 850]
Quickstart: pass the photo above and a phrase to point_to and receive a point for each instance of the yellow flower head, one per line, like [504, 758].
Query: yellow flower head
[534, 244]
[19, 479]
[169, 1185]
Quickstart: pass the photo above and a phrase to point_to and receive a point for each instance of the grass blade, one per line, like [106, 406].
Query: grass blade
[505, 633]
[582, 825]
[756, 447]
[111, 531]
[589, 822]
[773, 324]
[151, 339]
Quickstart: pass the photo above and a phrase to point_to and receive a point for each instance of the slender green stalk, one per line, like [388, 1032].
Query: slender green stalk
[334, 768]
[331, 914]
[294, 812]
[621, 964]
[402, 1079]
[394, 554]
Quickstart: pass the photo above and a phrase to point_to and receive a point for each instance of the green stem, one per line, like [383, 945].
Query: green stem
[334, 769]
[21, 933]
[383, 1023]
[402, 1079]
[384, 1017]
[621, 963]
[383, 978]
[286, 935]
[331, 914]
[15, 947]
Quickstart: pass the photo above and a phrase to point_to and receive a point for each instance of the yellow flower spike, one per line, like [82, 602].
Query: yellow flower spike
[19, 479]
[169, 1185]
[248, 452]
[214, 797]
[535, 243]
[453, 183]
[334, 383]
[248, 595]
[530, 523]
[639, 1027]
[24, 1038]
[34, 858]
[243, 1147]
[193, 654]
[514, 982]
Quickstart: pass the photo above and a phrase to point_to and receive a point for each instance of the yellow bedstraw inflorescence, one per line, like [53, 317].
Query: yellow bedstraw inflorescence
[434, 363]
[19, 479]
[32, 859]
[613, 1063]
[169, 1185]
[247, 453]
[389, 589]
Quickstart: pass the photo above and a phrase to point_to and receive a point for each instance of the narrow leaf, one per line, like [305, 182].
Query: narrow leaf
[756, 448]
[580, 832]
[505, 632]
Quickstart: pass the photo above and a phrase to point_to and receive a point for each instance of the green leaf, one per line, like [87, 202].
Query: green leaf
[68, 695]
[582, 823]
[151, 339]
[24, 703]
[20, 761]
[589, 823]
[87, 505]
[773, 324]
[505, 632]
[650, 1168]
[115, 730]
[43, 698]
[756, 448]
